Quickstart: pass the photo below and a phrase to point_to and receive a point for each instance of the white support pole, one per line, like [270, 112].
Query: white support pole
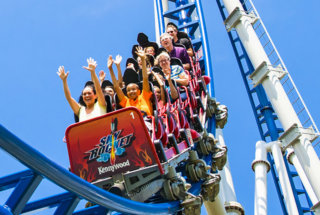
[156, 21]
[284, 178]
[226, 177]
[227, 192]
[309, 162]
[216, 207]
[165, 7]
[257, 55]
[292, 159]
[247, 35]
[260, 166]
[273, 88]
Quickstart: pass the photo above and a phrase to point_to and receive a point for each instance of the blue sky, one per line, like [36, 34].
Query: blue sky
[39, 36]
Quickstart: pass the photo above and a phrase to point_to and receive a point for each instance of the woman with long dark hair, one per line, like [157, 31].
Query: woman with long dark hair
[94, 103]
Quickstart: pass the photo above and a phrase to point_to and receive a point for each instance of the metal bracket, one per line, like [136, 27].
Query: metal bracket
[264, 70]
[235, 17]
[253, 165]
[219, 158]
[235, 207]
[220, 111]
[192, 205]
[221, 116]
[175, 186]
[207, 143]
[293, 134]
[196, 168]
[211, 187]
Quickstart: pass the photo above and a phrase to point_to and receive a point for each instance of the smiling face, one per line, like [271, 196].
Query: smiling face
[133, 91]
[164, 62]
[150, 50]
[172, 31]
[166, 41]
[88, 96]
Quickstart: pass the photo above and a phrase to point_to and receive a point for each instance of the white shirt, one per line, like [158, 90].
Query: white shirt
[98, 110]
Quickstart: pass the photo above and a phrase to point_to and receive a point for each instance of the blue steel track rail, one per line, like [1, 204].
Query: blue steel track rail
[43, 167]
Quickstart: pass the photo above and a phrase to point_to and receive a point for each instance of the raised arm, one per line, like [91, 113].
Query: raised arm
[117, 62]
[102, 76]
[92, 64]
[190, 52]
[145, 82]
[173, 90]
[183, 79]
[116, 86]
[160, 82]
[73, 103]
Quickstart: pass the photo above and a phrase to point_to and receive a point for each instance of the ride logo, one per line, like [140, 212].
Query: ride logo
[111, 144]
[109, 147]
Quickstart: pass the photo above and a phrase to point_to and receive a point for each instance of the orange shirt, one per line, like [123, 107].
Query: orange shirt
[143, 102]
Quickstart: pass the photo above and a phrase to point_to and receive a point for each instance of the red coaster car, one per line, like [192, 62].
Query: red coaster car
[111, 144]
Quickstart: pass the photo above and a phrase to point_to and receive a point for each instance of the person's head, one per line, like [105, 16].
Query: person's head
[131, 66]
[163, 60]
[166, 41]
[172, 25]
[157, 91]
[133, 91]
[108, 90]
[150, 50]
[88, 95]
[172, 31]
[149, 60]
[132, 63]
[139, 62]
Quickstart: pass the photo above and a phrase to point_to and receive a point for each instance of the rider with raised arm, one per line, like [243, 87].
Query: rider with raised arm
[94, 102]
[135, 98]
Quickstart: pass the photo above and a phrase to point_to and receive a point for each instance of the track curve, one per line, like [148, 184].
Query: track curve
[37, 162]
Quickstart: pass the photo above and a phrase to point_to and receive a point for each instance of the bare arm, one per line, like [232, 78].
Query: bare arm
[190, 52]
[73, 104]
[102, 76]
[187, 66]
[92, 64]
[183, 78]
[173, 90]
[116, 86]
[160, 82]
[145, 81]
[117, 63]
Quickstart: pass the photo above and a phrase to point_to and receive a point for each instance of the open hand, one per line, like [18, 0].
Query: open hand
[62, 73]
[140, 52]
[118, 59]
[110, 61]
[92, 64]
[102, 75]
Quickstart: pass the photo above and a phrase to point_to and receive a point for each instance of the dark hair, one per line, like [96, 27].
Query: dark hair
[81, 102]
